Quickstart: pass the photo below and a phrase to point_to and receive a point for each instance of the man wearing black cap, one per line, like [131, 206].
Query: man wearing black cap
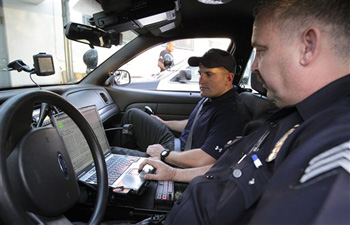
[219, 116]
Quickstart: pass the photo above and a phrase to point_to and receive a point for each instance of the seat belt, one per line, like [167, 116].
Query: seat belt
[189, 139]
[177, 144]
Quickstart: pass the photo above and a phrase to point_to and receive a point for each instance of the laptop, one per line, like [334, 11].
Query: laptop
[122, 169]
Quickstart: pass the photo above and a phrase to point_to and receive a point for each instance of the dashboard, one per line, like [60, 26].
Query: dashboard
[82, 97]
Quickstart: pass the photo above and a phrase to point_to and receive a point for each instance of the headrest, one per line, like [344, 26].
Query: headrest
[256, 84]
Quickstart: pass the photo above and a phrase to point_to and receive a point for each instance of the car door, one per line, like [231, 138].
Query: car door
[166, 104]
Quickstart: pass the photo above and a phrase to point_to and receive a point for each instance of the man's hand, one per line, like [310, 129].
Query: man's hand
[163, 171]
[155, 150]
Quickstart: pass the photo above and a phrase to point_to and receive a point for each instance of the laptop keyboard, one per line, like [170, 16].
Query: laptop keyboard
[116, 166]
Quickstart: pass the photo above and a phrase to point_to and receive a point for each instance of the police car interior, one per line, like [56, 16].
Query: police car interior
[39, 183]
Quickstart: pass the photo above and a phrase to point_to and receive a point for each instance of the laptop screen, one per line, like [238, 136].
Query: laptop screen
[74, 140]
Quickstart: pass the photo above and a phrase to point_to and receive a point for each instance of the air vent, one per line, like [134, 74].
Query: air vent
[104, 97]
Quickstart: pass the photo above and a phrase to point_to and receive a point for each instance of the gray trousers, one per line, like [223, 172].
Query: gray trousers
[146, 131]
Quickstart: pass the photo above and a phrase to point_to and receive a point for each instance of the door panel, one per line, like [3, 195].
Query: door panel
[166, 104]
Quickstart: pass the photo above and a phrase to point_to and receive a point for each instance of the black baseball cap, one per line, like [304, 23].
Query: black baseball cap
[215, 58]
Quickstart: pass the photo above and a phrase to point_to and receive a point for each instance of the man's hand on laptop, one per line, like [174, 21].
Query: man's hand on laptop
[162, 170]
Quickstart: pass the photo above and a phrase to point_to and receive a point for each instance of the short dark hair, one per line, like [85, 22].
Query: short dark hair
[293, 15]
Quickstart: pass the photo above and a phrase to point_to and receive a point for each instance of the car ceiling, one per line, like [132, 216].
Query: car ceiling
[233, 20]
[194, 18]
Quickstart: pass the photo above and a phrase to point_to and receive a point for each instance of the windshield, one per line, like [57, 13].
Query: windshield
[36, 26]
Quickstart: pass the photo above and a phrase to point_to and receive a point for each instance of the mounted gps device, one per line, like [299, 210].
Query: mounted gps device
[43, 64]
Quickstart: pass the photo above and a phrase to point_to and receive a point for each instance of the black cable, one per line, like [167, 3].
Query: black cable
[30, 75]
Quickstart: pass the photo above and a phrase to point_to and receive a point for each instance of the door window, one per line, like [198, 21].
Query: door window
[178, 76]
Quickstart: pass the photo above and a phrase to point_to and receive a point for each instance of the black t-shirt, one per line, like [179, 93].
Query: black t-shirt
[219, 120]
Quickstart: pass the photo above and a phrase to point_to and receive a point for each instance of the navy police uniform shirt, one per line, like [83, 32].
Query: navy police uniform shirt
[230, 191]
[219, 120]
[311, 184]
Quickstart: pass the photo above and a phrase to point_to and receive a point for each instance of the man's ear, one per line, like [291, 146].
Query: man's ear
[310, 41]
[230, 77]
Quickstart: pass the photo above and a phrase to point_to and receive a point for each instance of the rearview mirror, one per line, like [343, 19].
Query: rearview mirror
[91, 35]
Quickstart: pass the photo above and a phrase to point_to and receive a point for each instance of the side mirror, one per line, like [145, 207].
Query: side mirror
[121, 77]
[91, 35]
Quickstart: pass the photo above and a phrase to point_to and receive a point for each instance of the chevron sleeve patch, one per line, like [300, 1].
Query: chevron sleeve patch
[337, 157]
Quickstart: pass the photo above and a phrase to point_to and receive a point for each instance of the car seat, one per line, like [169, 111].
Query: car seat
[257, 103]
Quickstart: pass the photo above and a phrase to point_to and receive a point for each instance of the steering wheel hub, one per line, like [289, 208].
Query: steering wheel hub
[40, 174]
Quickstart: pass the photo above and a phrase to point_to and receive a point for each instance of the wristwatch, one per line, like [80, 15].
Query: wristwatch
[164, 154]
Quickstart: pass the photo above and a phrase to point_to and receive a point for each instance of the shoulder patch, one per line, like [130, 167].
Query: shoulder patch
[331, 159]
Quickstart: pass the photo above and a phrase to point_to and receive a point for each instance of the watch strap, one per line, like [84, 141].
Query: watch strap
[164, 154]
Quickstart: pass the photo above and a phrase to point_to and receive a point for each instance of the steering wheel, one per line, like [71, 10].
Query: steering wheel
[37, 179]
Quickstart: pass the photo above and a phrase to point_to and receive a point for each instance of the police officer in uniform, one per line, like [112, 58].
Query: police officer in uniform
[291, 170]
[166, 59]
[311, 183]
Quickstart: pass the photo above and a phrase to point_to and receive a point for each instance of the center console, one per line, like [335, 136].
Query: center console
[154, 200]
